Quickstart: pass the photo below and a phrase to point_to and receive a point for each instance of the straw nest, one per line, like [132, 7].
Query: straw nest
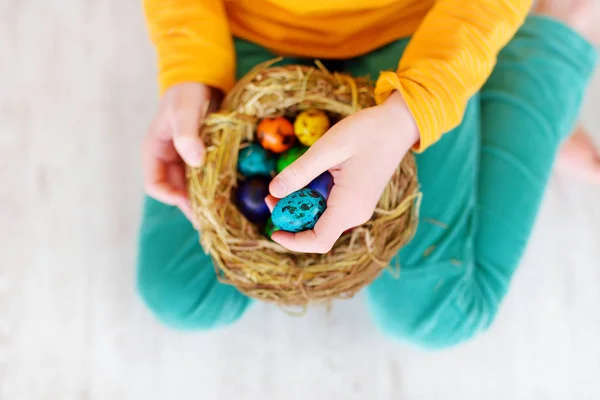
[246, 259]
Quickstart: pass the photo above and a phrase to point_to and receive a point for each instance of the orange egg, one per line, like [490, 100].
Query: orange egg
[275, 134]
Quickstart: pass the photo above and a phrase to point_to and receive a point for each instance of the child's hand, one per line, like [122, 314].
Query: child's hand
[173, 141]
[361, 152]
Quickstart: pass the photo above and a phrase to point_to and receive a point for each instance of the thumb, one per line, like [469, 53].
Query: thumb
[186, 135]
[320, 157]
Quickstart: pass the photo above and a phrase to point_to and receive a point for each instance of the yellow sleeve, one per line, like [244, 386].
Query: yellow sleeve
[448, 60]
[192, 41]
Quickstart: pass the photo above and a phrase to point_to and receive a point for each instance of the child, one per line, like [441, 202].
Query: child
[486, 133]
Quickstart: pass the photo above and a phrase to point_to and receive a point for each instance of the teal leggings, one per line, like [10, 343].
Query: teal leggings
[482, 186]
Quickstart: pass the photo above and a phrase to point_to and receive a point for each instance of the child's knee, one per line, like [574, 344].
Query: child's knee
[442, 324]
[176, 279]
[189, 302]
[169, 300]
[432, 334]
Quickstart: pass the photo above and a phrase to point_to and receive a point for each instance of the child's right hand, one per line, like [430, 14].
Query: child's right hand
[173, 141]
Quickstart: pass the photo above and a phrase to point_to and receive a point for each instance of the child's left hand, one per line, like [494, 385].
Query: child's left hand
[361, 152]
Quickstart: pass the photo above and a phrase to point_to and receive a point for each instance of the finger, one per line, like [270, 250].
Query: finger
[188, 143]
[177, 182]
[271, 202]
[161, 180]
[186, 129]
[326, 153]
[163, 192]
[186, 209]
[176, 177]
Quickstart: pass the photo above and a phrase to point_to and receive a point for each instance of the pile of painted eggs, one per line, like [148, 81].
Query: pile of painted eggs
[279, 142]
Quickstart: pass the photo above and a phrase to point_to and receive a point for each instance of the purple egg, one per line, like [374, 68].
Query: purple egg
[250, 199]
[322, 184]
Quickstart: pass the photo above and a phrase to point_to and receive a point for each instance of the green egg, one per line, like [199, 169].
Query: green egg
[270, 228]
[290, 156]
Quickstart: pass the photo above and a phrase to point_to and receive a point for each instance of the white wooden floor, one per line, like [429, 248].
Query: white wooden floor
[76, 95]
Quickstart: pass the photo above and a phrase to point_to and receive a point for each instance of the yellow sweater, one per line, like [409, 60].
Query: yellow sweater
[451, 54]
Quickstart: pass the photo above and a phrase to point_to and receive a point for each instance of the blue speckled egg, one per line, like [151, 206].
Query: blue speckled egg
[255, 161]
[250, 199]
[322, 184]
[299, 211]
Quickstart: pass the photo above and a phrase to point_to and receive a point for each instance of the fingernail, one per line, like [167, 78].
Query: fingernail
[278, 188]
[271, 202]
[190, 151]
[194, 159]
[198, 153]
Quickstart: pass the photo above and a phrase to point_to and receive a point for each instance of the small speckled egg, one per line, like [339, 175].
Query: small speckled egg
[255, 161]
[275, 134]
[322, 184]
[290, 156]
[250, 199]
[269, 228]
[310, 125]
[299, 211]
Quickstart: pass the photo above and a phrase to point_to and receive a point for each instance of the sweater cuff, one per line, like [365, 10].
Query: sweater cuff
[198, 63]
[389, 82]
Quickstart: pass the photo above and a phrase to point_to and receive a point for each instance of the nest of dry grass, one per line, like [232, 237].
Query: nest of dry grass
[242, 256]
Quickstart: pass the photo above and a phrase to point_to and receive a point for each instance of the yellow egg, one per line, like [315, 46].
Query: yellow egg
[310, 125]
